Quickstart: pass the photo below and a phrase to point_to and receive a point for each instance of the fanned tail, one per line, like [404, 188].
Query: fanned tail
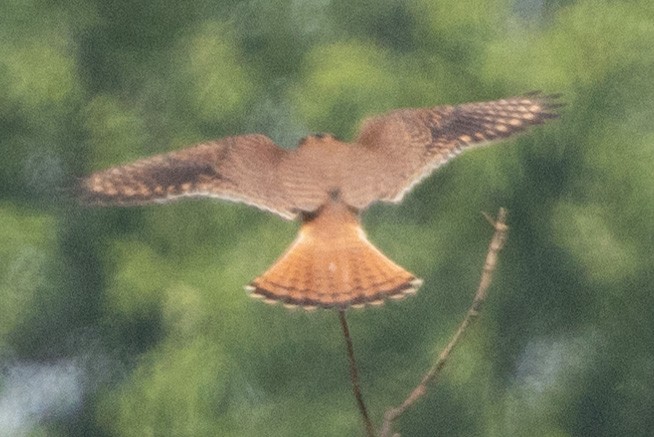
[332, 264]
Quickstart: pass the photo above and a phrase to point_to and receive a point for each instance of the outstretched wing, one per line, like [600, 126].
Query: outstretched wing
[405, 146]
[241, 168]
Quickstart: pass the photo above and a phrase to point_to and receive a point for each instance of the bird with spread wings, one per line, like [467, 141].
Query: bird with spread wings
[326, 184]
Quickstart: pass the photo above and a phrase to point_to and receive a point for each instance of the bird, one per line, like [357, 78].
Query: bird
[325, 184]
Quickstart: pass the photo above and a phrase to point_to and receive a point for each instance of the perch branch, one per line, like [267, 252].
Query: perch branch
[354, 375]
[496, 244]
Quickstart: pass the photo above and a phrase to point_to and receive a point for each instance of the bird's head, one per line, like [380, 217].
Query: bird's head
[318, 139]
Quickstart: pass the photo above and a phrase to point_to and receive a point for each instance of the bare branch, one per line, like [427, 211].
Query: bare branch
[354, 375]
[496, 244]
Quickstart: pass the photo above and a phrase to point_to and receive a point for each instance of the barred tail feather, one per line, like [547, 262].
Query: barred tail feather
[333, 270]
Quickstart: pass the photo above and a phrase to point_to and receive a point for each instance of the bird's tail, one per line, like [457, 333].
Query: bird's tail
[332, 264]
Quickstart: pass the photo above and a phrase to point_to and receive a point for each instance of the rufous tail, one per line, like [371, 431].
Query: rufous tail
[332, 264]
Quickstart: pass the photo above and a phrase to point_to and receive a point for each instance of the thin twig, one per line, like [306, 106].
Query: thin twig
[354, 374]
[496, 244]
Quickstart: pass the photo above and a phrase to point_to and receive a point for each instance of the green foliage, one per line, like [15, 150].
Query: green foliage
[207, 65]
[147, 303]
[181, 383]
[345, 78]
[27, 248]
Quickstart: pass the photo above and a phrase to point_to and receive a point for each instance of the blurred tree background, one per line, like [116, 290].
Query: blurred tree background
[133, 322]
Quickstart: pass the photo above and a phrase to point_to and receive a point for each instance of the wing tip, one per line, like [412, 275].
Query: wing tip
[550, 103]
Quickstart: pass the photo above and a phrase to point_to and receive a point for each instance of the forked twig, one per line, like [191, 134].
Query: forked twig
[354, 375]
[496, 244]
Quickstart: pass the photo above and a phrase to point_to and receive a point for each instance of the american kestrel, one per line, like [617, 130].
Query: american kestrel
[326, 184]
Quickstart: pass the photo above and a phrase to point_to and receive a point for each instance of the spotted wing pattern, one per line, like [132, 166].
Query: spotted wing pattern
[240, 168]
[408, 144]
